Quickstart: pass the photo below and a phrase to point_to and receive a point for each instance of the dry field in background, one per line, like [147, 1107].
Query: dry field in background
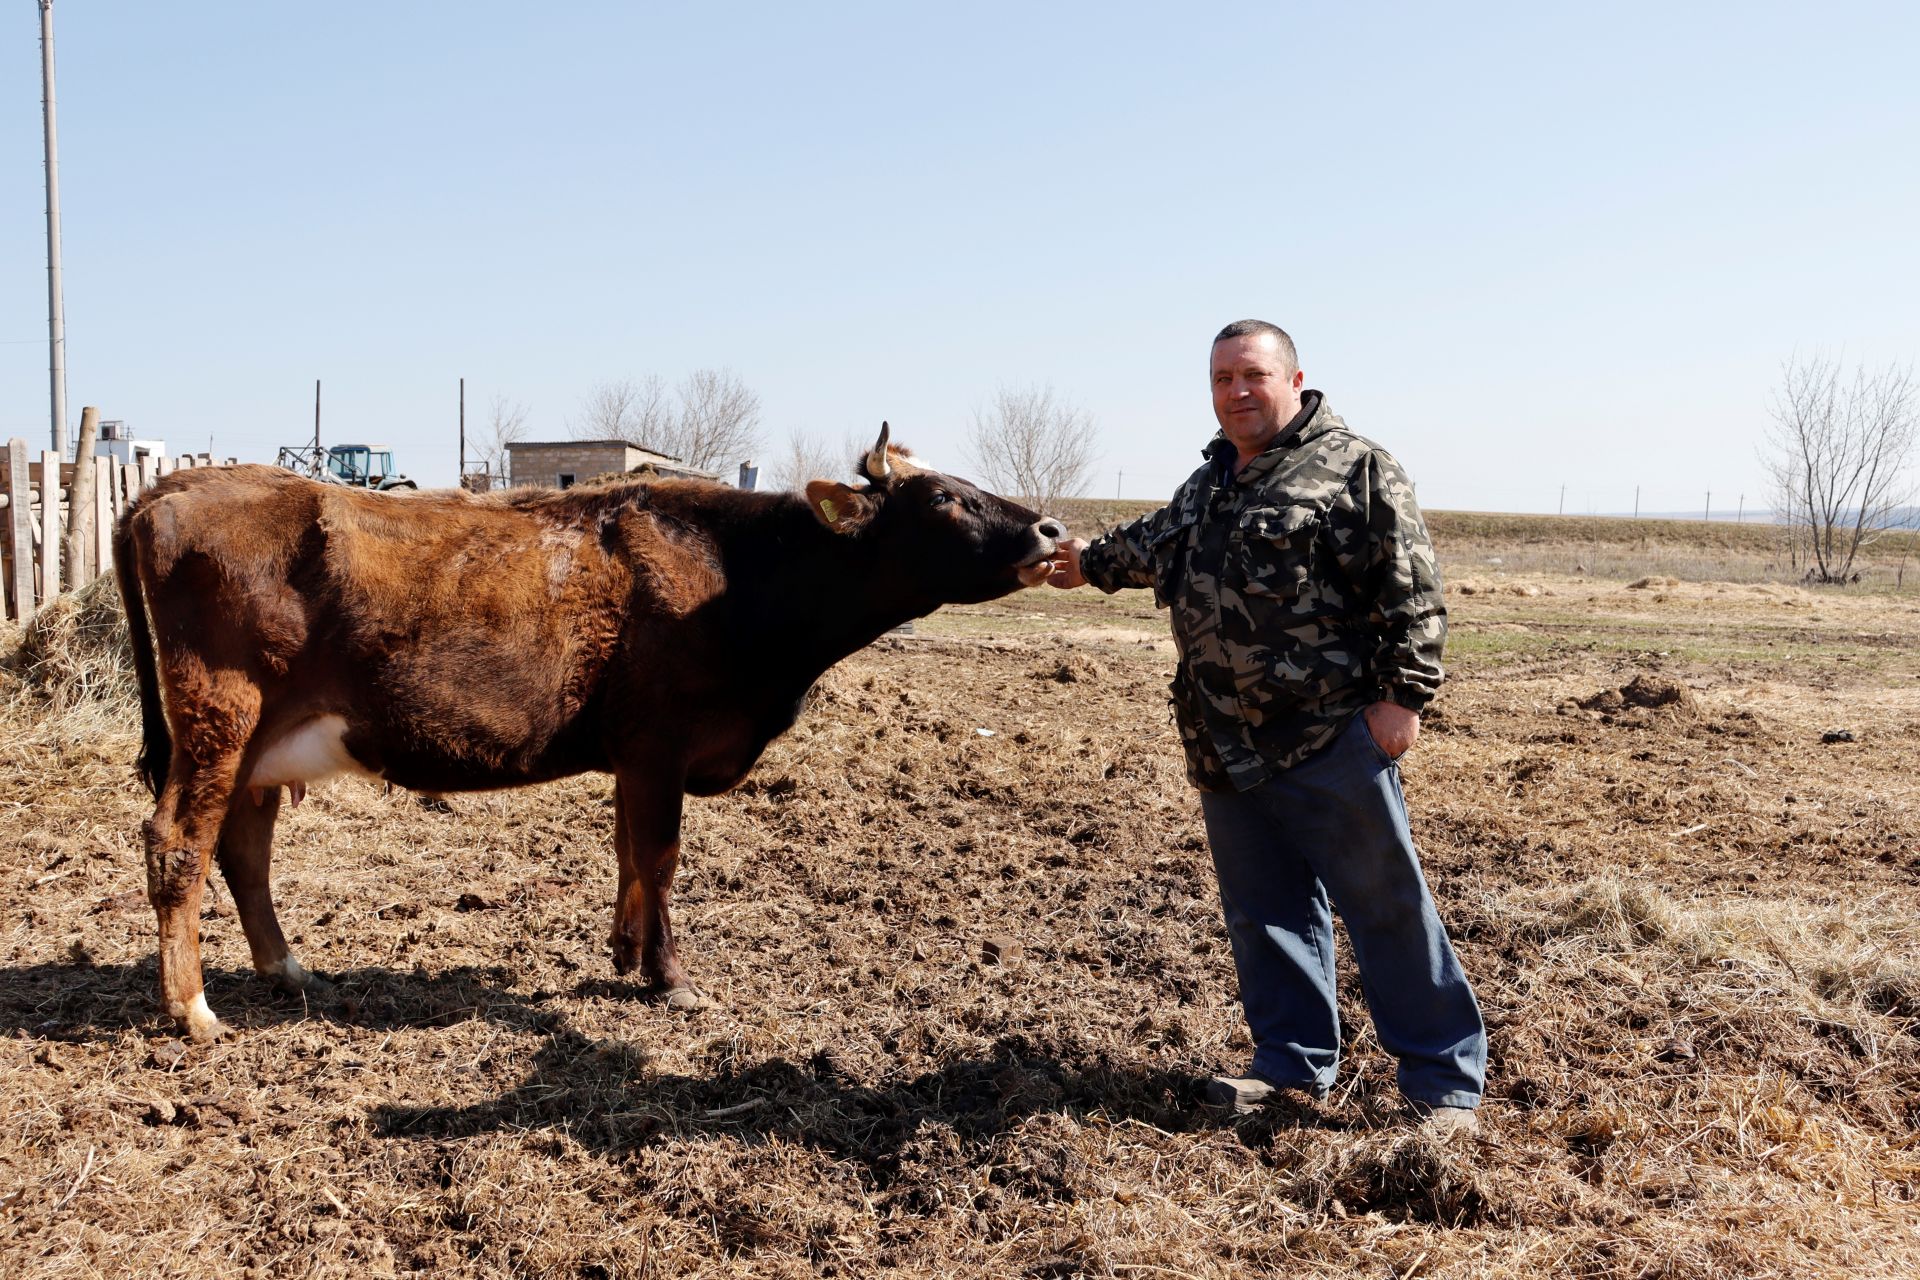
[968, 966]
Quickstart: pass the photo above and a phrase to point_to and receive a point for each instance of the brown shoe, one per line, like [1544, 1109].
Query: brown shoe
[1244, 1095]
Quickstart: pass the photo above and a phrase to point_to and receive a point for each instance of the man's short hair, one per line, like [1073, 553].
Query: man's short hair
[1251, 328]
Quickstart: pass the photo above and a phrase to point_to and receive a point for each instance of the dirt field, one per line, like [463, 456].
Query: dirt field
[961, 931]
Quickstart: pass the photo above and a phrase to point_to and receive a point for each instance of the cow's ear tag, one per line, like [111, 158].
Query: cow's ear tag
[836, 506]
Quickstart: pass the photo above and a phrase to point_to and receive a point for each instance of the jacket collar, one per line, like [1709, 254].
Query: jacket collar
[1313, 420]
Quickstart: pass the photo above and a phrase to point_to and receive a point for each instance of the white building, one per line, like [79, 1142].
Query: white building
[117, 442]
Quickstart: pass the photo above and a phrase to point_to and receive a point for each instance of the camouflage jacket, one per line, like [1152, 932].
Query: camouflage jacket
[1301, 589]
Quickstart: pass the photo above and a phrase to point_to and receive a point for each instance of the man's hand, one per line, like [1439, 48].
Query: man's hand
[1066, 564]
[1393, 727]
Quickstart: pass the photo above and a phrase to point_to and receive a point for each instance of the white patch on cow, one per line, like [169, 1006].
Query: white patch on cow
[198, 1015]
[315, 750]
[289, 969]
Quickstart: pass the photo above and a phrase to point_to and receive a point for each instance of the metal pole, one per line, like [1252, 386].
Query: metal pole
[1636, 502]
[1709, 512]
[1563, 499]
[56, 308]
[1740, 516]
[460, 476]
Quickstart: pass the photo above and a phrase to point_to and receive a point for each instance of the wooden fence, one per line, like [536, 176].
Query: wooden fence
[36, 500]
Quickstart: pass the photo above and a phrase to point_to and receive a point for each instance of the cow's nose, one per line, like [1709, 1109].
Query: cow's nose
[1051, 528]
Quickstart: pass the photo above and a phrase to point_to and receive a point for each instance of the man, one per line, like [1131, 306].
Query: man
[1308, 617]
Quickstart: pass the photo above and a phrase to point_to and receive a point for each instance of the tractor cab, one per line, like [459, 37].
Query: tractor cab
[361, 465]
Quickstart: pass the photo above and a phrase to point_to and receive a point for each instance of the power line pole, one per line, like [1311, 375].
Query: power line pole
[1636, 502]
[1563, 499]
[56, 307]
[1118, 480]
[460, 476]
[1709, 511]
[1740, 515]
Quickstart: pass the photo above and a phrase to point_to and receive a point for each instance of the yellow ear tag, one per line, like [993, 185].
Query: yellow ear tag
[831, 512]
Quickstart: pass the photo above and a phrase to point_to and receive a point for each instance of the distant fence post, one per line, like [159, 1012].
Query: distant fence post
[81, 504]
[49, 526]
[20, 529]
[104, 475]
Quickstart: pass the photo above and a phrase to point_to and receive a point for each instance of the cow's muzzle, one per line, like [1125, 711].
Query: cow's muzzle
[1038, 567]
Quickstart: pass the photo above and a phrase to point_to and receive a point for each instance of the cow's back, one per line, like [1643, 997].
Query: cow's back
[459, 638]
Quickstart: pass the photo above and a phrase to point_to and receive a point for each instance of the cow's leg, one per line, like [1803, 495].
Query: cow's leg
[180, 838]
[646, 835]
[208, 742]
[245, 854]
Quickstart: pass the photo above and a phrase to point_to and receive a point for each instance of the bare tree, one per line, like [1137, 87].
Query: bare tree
[809, 457]
[637, 413]
[718, 422]
[1837, 458]
[506, 423]
[1031, 444]
[711, 421]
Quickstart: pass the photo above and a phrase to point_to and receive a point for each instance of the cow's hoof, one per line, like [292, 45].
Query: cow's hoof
[685, 998]
[201, 1025]
[296, 979]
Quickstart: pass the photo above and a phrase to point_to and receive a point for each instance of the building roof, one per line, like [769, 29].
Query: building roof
[576, 444]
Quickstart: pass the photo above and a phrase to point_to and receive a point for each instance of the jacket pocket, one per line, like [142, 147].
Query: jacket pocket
[1276, 551]
[1168, 553]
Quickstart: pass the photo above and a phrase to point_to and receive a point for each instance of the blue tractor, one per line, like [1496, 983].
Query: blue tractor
[358, 466]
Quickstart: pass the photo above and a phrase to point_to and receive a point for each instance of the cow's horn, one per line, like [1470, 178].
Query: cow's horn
[878, 467]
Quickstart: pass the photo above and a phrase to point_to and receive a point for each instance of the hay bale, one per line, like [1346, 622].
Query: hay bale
[76, 652]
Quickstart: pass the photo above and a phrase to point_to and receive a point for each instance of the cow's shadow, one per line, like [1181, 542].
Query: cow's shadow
[79, 1002]
[602, 1092]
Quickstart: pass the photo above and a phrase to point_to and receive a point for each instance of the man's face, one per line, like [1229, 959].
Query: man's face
[1254, 393]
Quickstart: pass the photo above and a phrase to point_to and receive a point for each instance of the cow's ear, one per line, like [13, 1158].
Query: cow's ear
[838, 507]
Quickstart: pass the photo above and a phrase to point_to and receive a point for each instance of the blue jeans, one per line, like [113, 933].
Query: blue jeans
[1335, 826]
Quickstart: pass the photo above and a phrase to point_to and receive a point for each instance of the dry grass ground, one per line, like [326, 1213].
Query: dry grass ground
[1691, 921]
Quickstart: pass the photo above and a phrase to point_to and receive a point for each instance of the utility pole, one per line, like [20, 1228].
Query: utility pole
[1118, 480]
[56, 307]
[1563, 499]
[460, 476]
[1740, 514]
[1709, 512]
[1636, 502]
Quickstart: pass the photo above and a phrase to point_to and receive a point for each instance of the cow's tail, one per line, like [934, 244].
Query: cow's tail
[156, 743]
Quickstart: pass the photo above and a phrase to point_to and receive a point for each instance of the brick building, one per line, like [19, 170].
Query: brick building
[561, 464]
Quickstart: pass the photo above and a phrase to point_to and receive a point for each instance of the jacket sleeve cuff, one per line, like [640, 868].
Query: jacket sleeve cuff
[1098, 568]
[1413, 697]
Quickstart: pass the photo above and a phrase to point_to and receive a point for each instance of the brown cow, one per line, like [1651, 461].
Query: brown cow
[663, 632]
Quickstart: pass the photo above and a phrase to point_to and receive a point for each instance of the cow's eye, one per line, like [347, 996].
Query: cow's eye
[940, 498]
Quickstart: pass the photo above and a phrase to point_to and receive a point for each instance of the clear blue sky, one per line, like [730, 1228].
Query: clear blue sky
[1520, 245]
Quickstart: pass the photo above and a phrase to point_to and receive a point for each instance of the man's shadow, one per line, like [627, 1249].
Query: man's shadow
[602, 1093]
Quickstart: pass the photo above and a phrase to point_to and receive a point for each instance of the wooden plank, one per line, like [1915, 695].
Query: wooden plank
[19, 531]
[49, 526]
[104, 474]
